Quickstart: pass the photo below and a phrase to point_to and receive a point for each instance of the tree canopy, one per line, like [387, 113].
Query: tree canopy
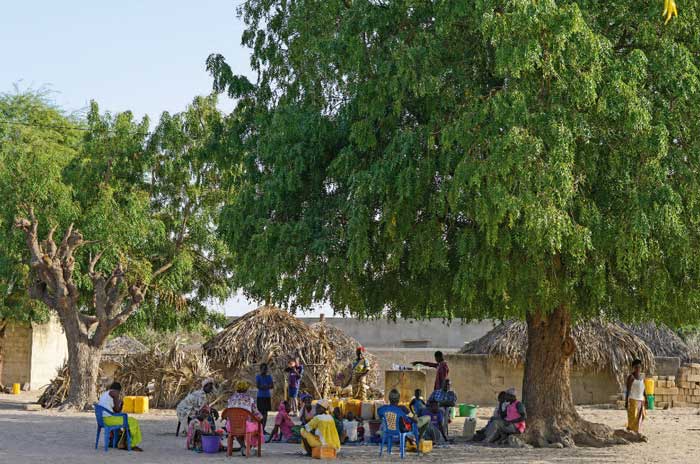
[467, 159]
[146, 200]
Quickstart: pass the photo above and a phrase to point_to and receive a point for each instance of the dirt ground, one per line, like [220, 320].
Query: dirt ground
[47, 437]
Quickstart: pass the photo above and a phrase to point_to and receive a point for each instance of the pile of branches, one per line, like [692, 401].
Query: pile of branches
[57, 391]
[167, 372]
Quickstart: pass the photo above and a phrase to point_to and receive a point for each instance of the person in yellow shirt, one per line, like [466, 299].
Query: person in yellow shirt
[321, 430]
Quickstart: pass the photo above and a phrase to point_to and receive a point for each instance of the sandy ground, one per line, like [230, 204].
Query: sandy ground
[46, 437]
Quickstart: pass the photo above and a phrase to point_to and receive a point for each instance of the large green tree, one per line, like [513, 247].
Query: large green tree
[114, 220]
[470, 159]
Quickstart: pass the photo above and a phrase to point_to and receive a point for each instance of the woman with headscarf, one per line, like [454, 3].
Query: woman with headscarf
[195, 403]
[283, 424]
[360, 369]
[321, 430]
[241, 399]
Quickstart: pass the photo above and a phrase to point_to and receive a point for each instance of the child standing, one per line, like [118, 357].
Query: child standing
[417, 404]
[295, 370]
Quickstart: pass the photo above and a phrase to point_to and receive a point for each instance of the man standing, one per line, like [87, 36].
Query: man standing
[443, 370]
[111, 400]
[264, 400]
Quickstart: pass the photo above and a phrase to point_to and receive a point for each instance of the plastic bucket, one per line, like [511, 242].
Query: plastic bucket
[15, 389]
[650, 402]
[467, 410]
[211, 443]
[649, 386]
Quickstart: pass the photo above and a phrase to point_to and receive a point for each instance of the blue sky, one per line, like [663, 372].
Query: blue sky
[146, 56]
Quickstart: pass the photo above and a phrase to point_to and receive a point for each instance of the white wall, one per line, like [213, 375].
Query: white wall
[49, 350]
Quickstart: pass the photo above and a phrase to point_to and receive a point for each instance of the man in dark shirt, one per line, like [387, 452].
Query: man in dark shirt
[443, 370]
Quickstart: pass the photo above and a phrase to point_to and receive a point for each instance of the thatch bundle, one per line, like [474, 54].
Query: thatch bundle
[273, 336]
[662, 340]
[343, 347]
[166, 372]
[56, 392]
[600, 345]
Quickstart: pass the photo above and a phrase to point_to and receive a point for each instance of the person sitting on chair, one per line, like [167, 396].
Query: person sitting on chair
[321, 430]
[111, 400]
[193, 405]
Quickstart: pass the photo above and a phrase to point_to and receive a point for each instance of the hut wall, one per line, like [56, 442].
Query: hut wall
[17, 352]
[479, 378]
[667, 366]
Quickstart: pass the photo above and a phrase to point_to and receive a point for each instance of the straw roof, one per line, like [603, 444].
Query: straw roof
[662, 340]
[600, 345]
[117, 348]
[273, 336]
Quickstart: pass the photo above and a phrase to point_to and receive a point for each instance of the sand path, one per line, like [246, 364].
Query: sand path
[47, 437]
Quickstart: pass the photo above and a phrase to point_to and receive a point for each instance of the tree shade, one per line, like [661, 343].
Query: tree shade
[488, 158]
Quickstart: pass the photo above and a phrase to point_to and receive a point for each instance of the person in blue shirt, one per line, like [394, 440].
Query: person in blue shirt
[264, 400]
[417, 403]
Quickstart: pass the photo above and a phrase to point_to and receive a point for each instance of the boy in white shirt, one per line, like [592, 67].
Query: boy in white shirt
[350, 427]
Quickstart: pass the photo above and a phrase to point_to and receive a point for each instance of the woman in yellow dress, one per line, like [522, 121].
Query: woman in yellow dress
[321, 430]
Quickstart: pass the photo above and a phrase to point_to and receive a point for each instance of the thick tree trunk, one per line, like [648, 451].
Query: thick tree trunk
[84, 365]
[552, 418]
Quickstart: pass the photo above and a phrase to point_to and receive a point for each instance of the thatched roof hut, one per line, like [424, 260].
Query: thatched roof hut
[662, 340]
[273, 336]
[600, 345]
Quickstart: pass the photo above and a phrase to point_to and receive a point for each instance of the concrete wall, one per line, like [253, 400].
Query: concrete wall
[16, 354]
[408, 333]
[32, 353]
[48, 353]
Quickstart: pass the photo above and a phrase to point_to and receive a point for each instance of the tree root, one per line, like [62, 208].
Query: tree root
[572, 431]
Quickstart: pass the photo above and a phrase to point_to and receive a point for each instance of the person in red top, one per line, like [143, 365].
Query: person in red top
[443, 370]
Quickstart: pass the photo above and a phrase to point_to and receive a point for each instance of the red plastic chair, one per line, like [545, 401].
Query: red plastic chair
[236, 419]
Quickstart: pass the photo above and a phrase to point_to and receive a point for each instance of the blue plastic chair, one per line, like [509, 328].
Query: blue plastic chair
[390, 416]
[99, 412]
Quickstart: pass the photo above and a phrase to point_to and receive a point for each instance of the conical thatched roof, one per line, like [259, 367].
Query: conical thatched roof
[262, 335]
[344, 347]
[273, 336]
[600, 345]
[662, 340]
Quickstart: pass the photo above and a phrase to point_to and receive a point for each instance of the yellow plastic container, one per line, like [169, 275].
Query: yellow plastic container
[649, 386]
[16, 389]
[425, 446]
[140, 405]
[128, 406]
[323, 452]
[354, 406]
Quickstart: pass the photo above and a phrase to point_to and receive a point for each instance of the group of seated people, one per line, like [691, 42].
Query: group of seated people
[321, 426]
